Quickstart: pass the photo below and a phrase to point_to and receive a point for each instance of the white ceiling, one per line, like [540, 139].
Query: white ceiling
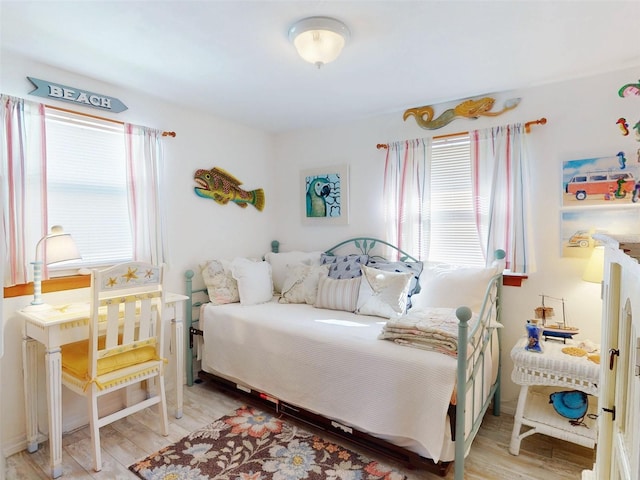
[233, 58]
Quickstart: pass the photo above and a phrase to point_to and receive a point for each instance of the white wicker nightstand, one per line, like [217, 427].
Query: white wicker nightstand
[557, 369]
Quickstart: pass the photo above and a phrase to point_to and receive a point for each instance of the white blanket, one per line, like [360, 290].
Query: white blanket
[332, 363]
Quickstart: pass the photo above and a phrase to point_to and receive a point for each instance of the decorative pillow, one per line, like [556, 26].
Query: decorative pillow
[221, 286]
[337, 294]
[254, 281]
[281, 261]
[301, 284]
[415, 268]
[451, 286]
[344, 266]
[383, 294]
[75, 358]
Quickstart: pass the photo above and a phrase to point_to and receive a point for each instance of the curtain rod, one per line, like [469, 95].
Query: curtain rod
[527, 129]
[164, 134]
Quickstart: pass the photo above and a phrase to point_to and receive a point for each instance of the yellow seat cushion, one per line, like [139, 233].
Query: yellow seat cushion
[75, 360]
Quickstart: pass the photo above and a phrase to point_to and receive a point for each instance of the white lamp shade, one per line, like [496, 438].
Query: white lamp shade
[594, 272]
[60, 248]
[57, 247]
[319, 40]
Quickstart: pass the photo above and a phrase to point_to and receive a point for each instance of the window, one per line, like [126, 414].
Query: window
[102, 186]
[87, 187]
[454, 236]
[459, 198]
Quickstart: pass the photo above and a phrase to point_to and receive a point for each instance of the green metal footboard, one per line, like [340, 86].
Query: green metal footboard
[470, 381]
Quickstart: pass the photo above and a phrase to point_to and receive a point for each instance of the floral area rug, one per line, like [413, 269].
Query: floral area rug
[253, 445]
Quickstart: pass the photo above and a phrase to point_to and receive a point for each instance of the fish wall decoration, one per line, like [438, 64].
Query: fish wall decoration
[222, 187]
[468, 109]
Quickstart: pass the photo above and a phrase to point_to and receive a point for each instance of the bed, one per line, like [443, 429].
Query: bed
[344, 352]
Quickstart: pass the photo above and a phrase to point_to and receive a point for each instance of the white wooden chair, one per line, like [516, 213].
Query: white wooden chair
[124, 345]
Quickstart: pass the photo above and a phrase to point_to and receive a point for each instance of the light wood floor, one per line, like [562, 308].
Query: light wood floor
[132, 438]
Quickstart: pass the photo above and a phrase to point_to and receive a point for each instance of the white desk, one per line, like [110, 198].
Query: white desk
[67, 324]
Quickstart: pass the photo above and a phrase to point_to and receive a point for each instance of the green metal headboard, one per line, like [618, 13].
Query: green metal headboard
[366, 245]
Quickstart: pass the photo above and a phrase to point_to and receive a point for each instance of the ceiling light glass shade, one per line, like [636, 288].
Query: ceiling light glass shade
[319, 40]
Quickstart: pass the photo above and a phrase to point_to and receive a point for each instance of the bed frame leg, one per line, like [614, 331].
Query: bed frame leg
[496, 400]
[458, 469]
[189, 321]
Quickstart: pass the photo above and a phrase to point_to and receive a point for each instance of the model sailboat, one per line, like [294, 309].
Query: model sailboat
[559, 329]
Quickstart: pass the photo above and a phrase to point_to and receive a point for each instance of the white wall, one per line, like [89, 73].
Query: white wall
[581, 116]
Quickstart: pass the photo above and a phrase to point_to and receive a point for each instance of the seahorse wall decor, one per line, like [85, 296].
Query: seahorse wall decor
[624, 126]
[630, 89]
[222, 187]
[627, 91]
[467, 109]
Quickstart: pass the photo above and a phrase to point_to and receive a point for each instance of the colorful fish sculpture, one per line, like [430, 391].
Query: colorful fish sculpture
[222, 187]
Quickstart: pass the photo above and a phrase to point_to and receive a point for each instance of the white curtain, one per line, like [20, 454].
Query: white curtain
[406, 196]
[23, 185]
[144, 169]
[501, 180]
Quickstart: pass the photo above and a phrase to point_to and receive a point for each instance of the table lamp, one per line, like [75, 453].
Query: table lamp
[57, 246]
[594, 272]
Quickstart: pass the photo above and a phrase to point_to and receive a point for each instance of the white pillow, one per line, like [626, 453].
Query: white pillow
[383, 294]
[301, 284]
[451, 286]
[254, 281]
[280, 262]
[338, 294]
[221, 286]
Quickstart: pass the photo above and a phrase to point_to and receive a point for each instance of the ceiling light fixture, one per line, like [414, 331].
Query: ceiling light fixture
[319, 40]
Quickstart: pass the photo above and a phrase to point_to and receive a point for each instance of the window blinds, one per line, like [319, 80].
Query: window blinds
[454, 236]
[87, 190]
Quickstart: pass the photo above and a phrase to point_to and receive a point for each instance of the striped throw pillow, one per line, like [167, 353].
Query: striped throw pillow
[337, 294]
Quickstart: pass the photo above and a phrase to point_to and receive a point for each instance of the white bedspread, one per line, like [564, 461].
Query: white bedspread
[332, 363]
